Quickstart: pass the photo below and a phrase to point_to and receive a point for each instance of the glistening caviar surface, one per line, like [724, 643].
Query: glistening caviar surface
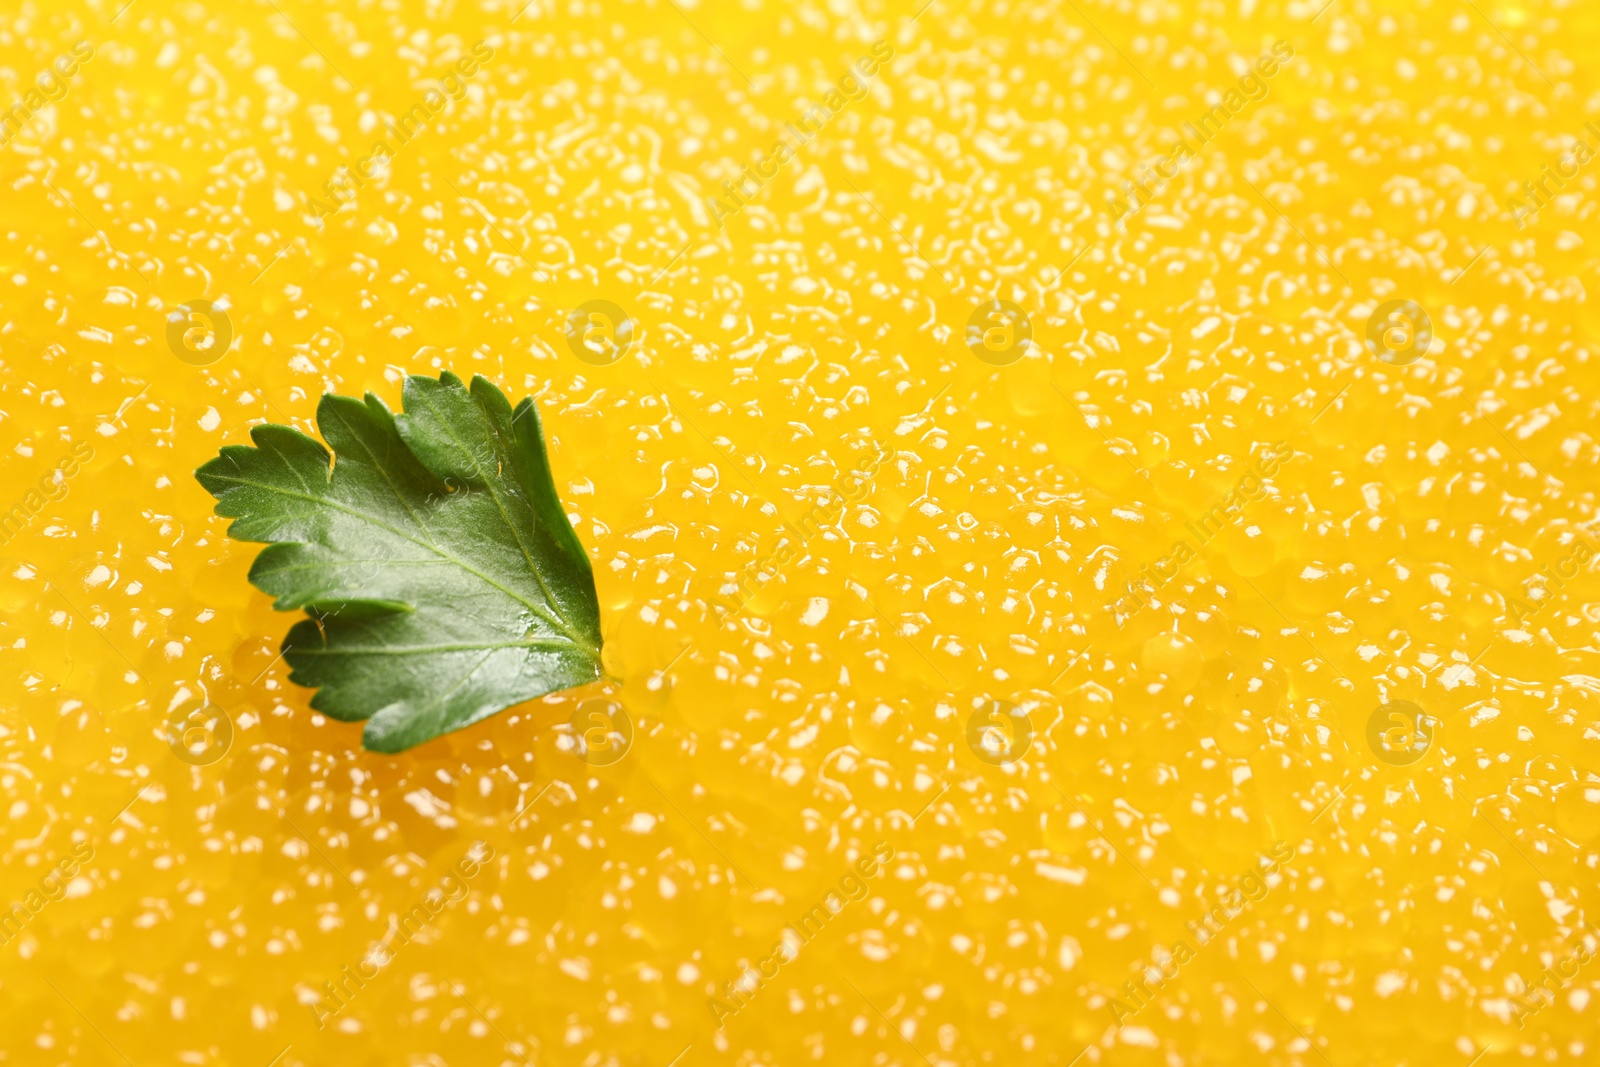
[1198, 683]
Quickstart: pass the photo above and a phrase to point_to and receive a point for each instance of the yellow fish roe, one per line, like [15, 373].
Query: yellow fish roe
[1092, 506]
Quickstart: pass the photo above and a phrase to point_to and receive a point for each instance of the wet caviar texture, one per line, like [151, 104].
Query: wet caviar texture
[1064, 598]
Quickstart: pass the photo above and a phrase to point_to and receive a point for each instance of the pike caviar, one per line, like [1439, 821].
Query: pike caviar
[1210, 679]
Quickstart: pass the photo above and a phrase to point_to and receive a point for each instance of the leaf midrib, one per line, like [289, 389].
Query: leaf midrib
[406, 650]
[463, 564]
[383, 470]
[494, 494]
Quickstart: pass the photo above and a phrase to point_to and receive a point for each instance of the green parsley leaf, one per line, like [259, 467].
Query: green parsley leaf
[441, 576]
